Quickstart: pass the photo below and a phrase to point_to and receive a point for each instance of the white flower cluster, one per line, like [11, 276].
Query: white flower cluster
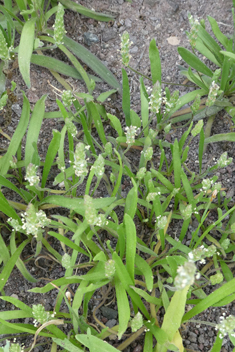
[31, 175]
[226, 326]
[80, 163]
[186, 275]
[155, 101]
[130, 133]
[98, 167]
[40, 315]
[213, 92]
[32, 222]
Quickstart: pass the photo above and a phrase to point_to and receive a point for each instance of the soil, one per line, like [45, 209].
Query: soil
[144, 20]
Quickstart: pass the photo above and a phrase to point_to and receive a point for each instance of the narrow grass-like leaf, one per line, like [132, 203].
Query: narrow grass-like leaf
[4, 255]
[95, 344]
[97, 120]
[135, 119]
[6, 271]
[116, 124]
[217, 344]
[131, 200]
[177, 164]
[202, 48]
[119, 179]
[68, 242]
[148, 342]
[146, 296]
[201, 149]
[93, 62]
[127, 282]
[144, 108]
[193, 61]
[17, 303]
[86, 12]
[34, 128]
[222, 292]
[130, 245]
[7, 209]
[155, 62]
[59, 66]
[211, 44]
[226, 271]
[16, 138]
[51, 153]
[26, 49]
[19, 263]
[123, 307]
[229, 137]
[173, 316]
[103, 96]
[67, 345]
[76, 204]
[126, 103]
[223, 39]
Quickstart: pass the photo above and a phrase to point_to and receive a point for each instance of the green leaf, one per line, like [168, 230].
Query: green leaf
[116, 124]
[51, 153]
[67, 345]
[202, 48]
[130, 245]
[223, 39]
[135, 119]
[94, 343]
[193, 61]
[226, 271]
[177, 164]
[211, 44]
[86, 12]
[229, 137]
[68, 242]
[6, 271]
[19, 263]
[173, 316]
[131, 200]
[144, 108]
[26, 49]
[76, 204]
[126, 104]
[123, 307]
[97, 120]
[34, 129]
[103, 96]
[225, 73]
[155, 62]
[93, 62]
[146, 296]
[59, 66]
[16, 138]
[217, 344]
[222, 292]
[144, 267]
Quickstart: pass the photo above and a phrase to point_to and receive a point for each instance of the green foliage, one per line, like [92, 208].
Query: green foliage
[36, 37]
[143, 263]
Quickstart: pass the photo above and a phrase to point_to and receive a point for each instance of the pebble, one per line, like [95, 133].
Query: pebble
[90, 38]
[111, 323]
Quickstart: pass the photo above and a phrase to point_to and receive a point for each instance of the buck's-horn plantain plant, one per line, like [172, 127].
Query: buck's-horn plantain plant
[150, 276]
[36, 37]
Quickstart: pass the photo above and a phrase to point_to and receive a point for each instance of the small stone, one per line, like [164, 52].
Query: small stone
[109, 312]
[128, 22]
[173, 4]
[138, 348]
[14, 296]
[90, 38]
[111, 323]
[192, 337]
[108, 35]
